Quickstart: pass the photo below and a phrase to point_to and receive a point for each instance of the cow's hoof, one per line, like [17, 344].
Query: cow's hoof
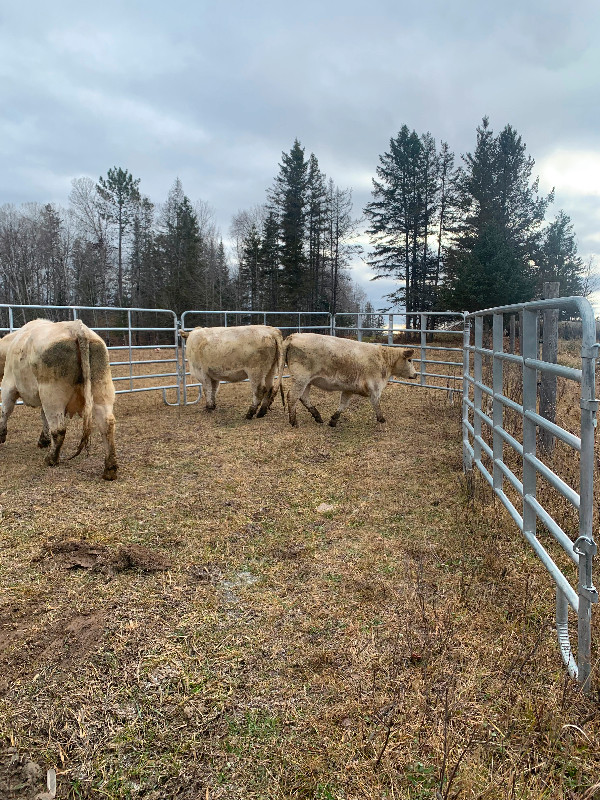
[110, 473]
[381, 419]
[44, 441]
[50, 461]
[294, 424]
[262, 412]
[318, 418]
[2, 438]
[209, 408]
[333, 422]
[250, 414]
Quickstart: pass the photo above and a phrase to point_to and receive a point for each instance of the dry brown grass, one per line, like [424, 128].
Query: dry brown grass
[398, 644]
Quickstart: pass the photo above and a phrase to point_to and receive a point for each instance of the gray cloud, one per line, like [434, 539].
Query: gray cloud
[214, 93]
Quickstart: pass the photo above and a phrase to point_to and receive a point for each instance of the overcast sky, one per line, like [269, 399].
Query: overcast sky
[213, 93]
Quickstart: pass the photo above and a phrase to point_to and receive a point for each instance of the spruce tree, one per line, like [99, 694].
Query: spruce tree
[558, 259]
[498, 237]
[288, 201]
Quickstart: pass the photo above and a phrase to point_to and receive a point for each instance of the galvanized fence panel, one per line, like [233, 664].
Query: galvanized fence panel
[439, 364]
[499, 455]
[143, 343]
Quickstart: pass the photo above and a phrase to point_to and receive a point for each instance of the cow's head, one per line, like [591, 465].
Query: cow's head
[403, 366]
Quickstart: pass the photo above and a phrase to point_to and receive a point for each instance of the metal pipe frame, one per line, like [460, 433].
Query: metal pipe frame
[582, 551]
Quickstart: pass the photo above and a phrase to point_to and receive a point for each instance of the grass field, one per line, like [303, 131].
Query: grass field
[253, 611]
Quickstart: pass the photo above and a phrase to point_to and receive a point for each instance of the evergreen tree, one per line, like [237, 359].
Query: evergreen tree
[250, 271]
[316, 225]
[288, 202]
[498, 238]
[558, 259]
[408, 215]
[120, 194]
[179, 251]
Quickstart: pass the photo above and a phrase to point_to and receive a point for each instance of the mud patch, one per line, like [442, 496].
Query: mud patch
[75, 554]
[20, 777]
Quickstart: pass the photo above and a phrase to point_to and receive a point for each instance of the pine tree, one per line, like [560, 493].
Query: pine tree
[408, 215]
[120, 195]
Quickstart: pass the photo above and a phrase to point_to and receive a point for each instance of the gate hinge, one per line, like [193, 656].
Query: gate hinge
[589, 405]
[586, 547]
[590, 593]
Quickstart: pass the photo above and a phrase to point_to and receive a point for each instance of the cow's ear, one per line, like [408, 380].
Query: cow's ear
[408, 353]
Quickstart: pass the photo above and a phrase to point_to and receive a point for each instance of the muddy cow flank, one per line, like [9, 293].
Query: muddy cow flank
[233, 354]
[341, 365]
[63, 368]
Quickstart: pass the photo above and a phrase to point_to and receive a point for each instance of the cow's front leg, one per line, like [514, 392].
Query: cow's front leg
[9, 399]
[374, 398]
[106, 424]
[344, 403]
[305, 400]
[44, 440]
[258, 392]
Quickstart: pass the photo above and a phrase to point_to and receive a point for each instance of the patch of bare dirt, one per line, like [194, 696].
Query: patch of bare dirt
[76, 554]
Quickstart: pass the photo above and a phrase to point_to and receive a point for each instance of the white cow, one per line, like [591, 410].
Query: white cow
[233, 354]
[341, 365]
[62, 367]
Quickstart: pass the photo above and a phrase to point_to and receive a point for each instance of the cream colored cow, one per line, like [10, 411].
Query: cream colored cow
[233, 354]
[62, 367]
[341, 365]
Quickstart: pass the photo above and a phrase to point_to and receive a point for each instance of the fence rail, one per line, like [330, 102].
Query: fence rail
[487, 452]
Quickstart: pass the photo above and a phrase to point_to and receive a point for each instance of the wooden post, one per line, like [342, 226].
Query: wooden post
[549, 354]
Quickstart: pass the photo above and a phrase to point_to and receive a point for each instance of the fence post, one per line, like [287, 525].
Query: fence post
[467, 461]
[549, 354]
[512, 326]
[390, 329]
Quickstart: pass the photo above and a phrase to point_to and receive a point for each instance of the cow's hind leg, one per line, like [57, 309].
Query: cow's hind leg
[295, 392]
[44, 440]
[210, 387]
[9, 399]
[269, 395]
[344, 403]
[305, 400]
[105, 421]
[54, 402]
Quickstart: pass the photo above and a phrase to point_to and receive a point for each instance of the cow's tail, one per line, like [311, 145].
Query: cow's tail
[281, 350]
[83, 344]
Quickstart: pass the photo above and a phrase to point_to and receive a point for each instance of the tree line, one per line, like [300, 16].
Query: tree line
[458, 237]
[468, 236]
[113, 246]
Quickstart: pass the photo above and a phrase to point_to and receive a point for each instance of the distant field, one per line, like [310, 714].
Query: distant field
[253, 611]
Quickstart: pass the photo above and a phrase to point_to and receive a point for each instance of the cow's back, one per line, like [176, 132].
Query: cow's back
[49, 352]
[227, 350]
[318, 354]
